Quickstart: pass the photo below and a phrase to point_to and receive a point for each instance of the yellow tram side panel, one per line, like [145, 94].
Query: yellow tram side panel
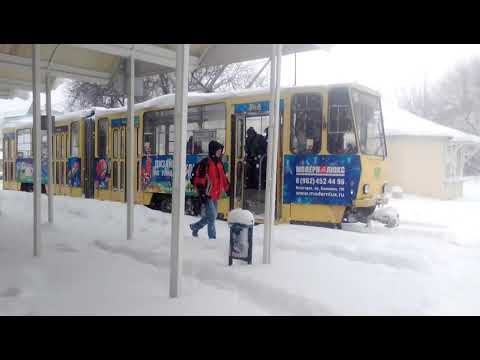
[11, 184]
[373, 174]
[308, 212]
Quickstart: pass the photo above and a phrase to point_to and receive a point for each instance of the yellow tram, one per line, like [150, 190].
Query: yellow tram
[331, 156]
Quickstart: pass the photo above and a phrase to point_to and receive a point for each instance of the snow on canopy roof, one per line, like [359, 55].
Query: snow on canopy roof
[399, 122]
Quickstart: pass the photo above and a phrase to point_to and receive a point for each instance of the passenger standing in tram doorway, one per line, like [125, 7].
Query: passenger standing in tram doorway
[255, 147]
[210, 182]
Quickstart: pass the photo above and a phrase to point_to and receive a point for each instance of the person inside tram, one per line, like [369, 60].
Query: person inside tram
[300, 131]
[255, 147]
[190, 145]
[263, 162]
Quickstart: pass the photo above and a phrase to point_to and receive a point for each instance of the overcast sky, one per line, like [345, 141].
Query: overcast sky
[386, 68]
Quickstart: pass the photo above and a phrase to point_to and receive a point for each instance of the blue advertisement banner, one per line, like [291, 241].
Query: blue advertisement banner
[24, 170]
[102, 173]
[260, 106]
[73, 172]
[123, 121]
[321, 179]
[157, 173]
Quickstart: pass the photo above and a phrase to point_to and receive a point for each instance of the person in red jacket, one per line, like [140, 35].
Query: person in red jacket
[210, 183]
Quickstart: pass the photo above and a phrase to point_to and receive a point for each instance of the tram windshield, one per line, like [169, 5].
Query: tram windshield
[368, 117]
[341, 133]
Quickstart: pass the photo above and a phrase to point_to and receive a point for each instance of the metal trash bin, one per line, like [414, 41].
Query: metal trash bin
[241, 224]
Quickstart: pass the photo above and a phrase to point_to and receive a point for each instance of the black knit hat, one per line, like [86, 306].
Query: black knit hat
[213, 146]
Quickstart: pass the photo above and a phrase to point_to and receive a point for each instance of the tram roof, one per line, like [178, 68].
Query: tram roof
[194, 98]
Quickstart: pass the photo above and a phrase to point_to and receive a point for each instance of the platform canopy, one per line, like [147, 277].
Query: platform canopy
[99, 63]
[38, 67]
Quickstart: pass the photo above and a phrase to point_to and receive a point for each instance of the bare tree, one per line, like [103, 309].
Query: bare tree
[453, 101]
[206, 79]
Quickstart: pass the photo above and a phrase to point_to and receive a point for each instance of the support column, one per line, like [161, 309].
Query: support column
[179, 160]
[50, 148]
[37, 152]
[272, 151]
[131, 168]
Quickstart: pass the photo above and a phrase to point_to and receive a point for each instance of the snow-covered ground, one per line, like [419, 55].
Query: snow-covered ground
[430, 265]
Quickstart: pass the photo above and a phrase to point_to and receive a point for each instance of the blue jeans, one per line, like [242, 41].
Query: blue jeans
[209, 215]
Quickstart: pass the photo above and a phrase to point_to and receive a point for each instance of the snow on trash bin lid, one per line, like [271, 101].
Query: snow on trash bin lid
[241, 216]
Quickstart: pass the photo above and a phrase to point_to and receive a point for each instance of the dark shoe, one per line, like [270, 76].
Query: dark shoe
[194, 232]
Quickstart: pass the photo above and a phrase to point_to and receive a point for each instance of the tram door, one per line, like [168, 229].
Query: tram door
[89, 156]
[60, 153]
[118, 162]
[250, 161]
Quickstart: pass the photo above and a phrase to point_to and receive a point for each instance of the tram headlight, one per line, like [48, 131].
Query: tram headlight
[366, 188]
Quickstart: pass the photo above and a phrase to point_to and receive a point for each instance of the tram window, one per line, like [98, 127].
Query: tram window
[102, 137]
[122, 142]
[64, 145]
[171, 139]
[208, 117]
[5, 149]
[60, 139]
[369, 121]
[306, 124]
[57, 146]
[192, 128]
[341, 133]
[24, 143]
[115, 175]
[57, 173]
[159, 128]
[44, 144]
[12, 149]
[139, 141]
[75, 139]
[155, 132]
[122, 175]
[160, 139]
[115, 143]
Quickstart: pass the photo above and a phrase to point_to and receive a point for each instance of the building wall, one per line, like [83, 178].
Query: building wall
[417, 165]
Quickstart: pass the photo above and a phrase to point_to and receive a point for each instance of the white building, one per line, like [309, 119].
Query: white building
[426, 158]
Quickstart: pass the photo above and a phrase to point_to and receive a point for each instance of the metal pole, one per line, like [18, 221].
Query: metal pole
[131, 168]
[50, 147]
[268, 185]
[37, 150]
[179, 159]
[295, 80]
[272, 151]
